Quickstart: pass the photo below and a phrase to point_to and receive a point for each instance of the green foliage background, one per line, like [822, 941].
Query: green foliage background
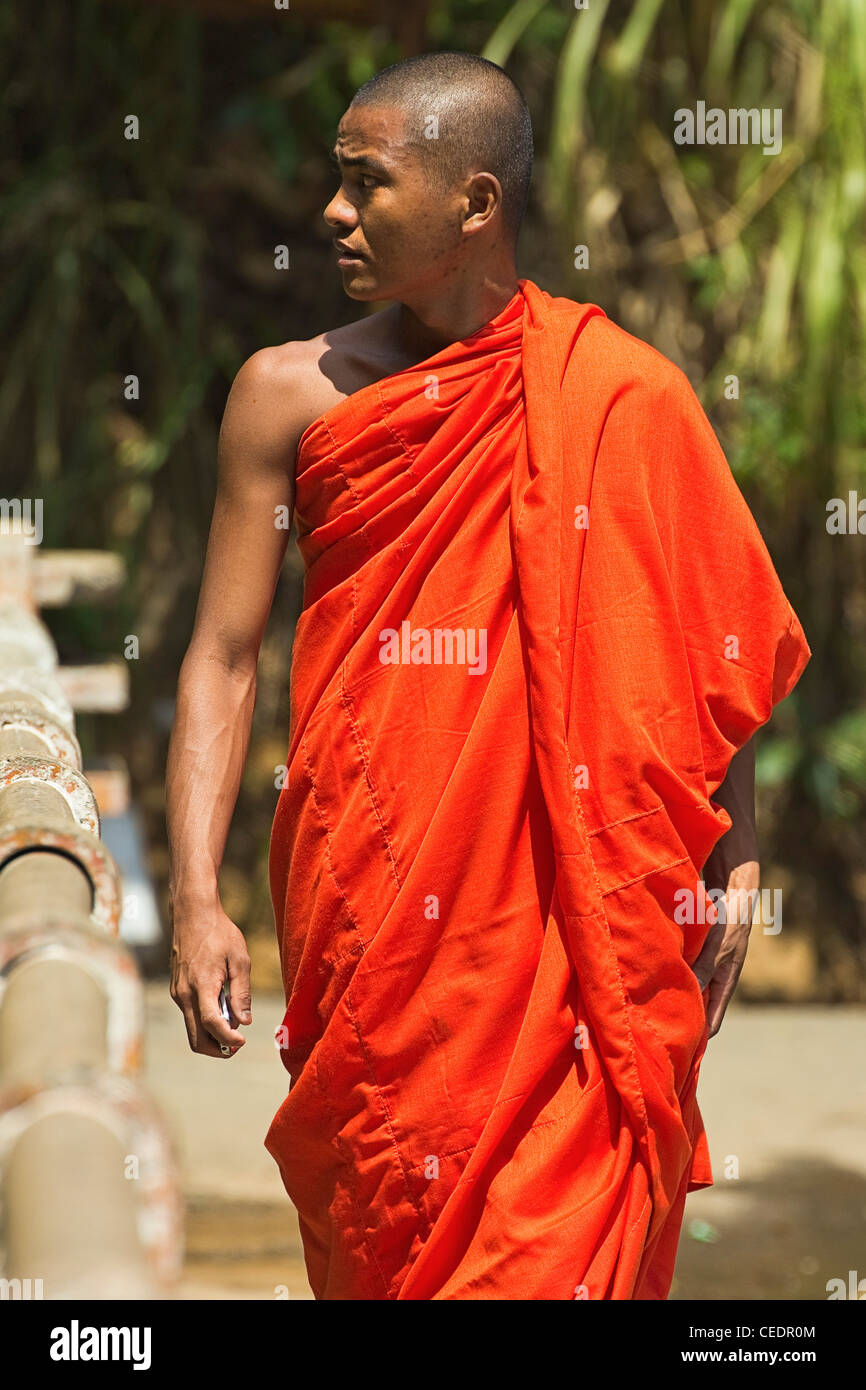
[155, 257]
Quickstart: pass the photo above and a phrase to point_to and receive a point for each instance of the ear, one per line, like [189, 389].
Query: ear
[483, 199]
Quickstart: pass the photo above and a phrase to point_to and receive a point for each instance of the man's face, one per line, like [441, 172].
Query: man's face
[404, 227]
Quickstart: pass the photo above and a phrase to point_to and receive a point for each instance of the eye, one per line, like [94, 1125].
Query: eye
[369, 181]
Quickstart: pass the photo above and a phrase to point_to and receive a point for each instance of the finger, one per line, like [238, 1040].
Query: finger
[184, 1003]
[198, 1038]
[216, 1026]
[717, 1004]
[240, 999]
[727, 982]
[721, 992]
[705, 964]
[188, 1021]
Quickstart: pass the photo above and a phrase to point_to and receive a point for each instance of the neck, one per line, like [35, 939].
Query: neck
[452, 312]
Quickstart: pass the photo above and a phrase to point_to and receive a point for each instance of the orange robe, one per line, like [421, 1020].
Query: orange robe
[493, 1031]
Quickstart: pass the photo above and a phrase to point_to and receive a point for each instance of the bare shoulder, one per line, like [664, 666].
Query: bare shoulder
[272, 399]
[279, 391]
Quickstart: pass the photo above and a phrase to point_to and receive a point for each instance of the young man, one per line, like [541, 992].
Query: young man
[539, 629]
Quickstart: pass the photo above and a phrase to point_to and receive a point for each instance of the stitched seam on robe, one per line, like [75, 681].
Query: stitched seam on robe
[422, 1217]
[340, 1145]
[327, 829]
[539, 1124]
[362, 529]
[364, 752]
[656, 869]
[408, 455]
[624, 820]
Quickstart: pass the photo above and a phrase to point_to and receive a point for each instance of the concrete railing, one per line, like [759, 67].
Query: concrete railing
[89, 1198]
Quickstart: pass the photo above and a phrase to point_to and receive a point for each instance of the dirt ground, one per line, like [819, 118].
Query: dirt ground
[783, 1094]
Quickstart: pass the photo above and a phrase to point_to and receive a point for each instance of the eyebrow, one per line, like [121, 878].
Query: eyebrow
[355, 159]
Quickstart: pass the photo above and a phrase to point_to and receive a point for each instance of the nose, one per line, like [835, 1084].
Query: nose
[340, 213]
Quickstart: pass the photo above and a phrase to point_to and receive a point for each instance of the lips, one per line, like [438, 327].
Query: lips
[347, 252]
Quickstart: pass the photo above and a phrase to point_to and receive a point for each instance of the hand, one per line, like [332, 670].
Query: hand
[721, 960]
[207, 952]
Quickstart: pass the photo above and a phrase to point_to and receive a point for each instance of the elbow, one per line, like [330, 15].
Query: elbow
[223, 659]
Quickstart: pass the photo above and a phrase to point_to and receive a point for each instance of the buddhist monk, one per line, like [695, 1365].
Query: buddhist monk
[539, 630]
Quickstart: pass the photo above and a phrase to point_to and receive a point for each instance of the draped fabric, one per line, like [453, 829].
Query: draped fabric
[538, 622]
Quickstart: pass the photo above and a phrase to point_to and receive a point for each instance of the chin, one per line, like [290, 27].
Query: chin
[358, 283]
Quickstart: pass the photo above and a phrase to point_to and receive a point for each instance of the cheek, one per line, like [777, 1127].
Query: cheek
[410, 228]
[415, 238]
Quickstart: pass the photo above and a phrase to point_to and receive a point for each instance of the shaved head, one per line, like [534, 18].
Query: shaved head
[465, 115]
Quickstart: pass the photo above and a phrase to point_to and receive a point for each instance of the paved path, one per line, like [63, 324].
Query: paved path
[783, 1094]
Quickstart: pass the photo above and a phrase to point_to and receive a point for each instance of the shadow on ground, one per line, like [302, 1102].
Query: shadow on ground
[781, 1236]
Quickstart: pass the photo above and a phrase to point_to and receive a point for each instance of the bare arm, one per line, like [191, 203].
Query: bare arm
[732, 867]
[217, 688]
